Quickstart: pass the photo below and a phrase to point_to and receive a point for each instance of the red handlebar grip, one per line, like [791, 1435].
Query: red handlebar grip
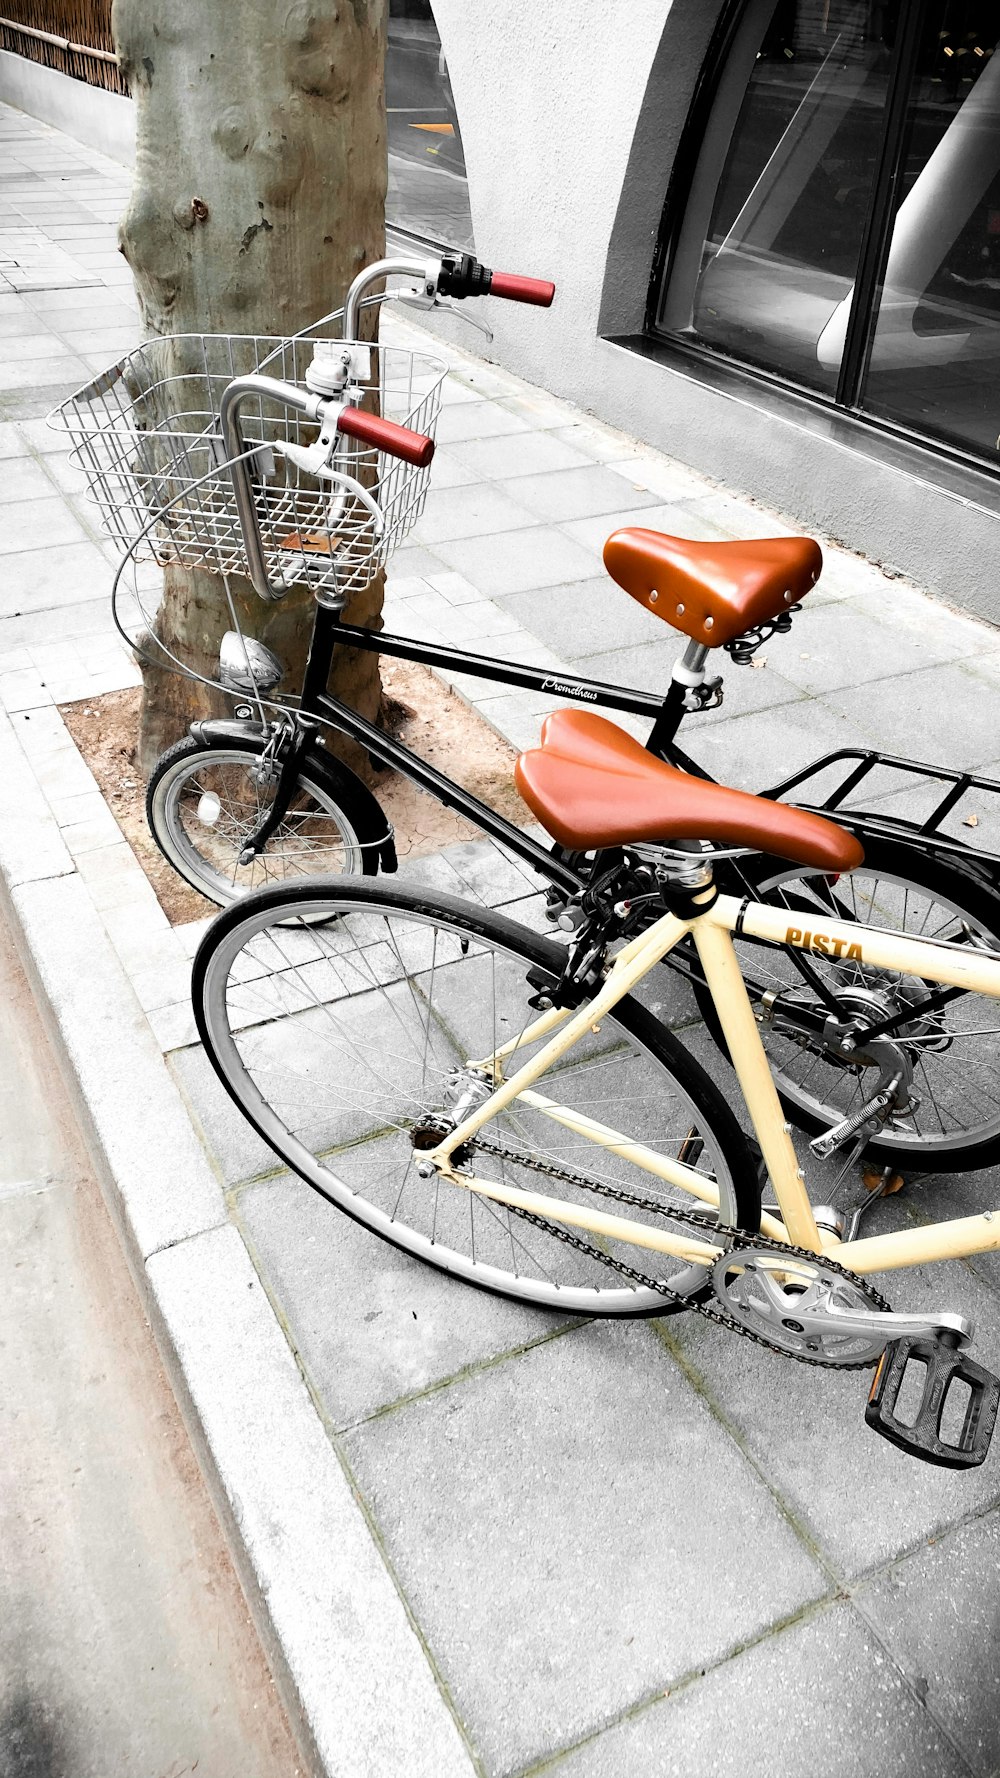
[522, 290]
[399, 441]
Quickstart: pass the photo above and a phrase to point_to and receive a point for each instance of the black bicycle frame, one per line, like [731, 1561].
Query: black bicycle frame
[316, 700]
[665, 713]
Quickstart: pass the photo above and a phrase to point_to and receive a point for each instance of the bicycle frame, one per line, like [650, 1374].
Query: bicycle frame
[711, 930]
[665, 712]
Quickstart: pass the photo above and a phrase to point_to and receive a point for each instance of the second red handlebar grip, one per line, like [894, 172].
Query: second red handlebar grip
[522, 290]
[385, 435]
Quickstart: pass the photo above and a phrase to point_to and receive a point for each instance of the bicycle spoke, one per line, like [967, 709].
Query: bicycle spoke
[944, 1046]
[348, 1038]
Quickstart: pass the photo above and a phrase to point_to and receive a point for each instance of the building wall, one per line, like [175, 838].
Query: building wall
[571, 114]
[548, 98]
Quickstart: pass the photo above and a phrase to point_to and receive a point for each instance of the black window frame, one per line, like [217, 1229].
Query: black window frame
[845, 401]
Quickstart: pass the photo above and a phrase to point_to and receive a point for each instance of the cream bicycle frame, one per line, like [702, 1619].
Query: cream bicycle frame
[946, 964]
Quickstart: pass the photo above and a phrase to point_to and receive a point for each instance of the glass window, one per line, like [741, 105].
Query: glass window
[780, 253]
[854, 145]
[935, 353]
[428, 191]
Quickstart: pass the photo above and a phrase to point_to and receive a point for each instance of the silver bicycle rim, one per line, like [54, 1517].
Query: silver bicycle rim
[961, 1080]
[292, 851]
[306, 1020]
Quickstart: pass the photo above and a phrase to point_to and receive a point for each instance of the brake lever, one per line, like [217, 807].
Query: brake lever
[419, 302]
[465, 315]
[313, 459]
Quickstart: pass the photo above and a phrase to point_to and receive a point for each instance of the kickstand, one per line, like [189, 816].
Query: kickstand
[882, 1184]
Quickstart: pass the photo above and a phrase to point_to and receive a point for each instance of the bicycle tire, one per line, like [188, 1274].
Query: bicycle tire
[205, 854]
[290, 951]
[913, 883]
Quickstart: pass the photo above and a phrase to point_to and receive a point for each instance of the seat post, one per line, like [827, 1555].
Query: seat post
[687, 675]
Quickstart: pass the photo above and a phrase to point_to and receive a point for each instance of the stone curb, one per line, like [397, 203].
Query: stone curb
[351, 1670]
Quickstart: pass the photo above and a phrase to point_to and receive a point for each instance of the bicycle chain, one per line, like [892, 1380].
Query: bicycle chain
[734, 1238]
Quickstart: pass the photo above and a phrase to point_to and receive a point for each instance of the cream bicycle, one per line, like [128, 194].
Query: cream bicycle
[514, 1111]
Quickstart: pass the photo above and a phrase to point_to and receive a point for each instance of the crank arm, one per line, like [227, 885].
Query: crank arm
[958, 1330]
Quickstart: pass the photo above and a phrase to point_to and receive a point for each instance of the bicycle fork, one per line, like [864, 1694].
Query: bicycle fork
[290, 746]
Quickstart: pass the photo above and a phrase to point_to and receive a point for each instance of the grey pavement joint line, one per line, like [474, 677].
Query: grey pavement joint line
[841, 1588]
[414, 1622]
[802, 1614]
[467, 1371]
[853, 1593]
[788, 1513]
[855, 1589]
[335, 1438]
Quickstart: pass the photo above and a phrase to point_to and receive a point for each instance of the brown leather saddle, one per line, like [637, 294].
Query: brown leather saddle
[713, 592]
[592, 786]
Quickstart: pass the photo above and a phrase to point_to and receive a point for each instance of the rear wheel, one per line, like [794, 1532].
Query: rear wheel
[954, 1053]
[205, 800]
[345, 1019]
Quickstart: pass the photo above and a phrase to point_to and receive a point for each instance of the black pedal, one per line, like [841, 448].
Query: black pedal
[919, 1433]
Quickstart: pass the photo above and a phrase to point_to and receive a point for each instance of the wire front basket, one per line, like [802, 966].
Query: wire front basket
[146, 435]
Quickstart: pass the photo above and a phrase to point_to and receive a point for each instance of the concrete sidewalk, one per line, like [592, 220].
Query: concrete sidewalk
[479, 1540]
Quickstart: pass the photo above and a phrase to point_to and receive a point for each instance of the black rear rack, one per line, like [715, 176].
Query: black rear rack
[860, 767]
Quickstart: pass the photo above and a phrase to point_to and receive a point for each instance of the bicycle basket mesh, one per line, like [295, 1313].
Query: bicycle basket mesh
[146, 433]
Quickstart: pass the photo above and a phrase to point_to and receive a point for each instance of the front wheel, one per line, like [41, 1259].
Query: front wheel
[346, 1020]
[953, 1053]
[205, 799]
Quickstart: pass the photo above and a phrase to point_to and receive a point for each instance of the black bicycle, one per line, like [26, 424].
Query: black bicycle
[293, 480]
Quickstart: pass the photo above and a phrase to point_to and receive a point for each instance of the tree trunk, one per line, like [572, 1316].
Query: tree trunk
[259, 192]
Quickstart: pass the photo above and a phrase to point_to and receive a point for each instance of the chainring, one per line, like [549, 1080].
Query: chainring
[783, 1298]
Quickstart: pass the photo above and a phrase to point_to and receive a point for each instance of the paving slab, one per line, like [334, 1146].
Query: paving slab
[470, 512]
[575, 618]
[928, 1611]
[647, 666]
[673, 517]
[536, 453]
[826, 653]
[754, 751]
[914, 714]
[24, 479]
[372, 1326]
[37, 524]
[538, 557]
[567, 494]
[64, 573]
[483, 419]
[821, 1696]
[543, 1524]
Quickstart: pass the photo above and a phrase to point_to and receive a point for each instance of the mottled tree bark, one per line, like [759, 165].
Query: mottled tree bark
[259, 192]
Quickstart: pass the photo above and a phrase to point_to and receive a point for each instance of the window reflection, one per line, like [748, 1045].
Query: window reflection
[935, 354]
[428, 191]
[776, 223]
[782, 249]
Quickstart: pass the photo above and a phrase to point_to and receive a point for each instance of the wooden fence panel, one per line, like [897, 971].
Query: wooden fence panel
[82, 26]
